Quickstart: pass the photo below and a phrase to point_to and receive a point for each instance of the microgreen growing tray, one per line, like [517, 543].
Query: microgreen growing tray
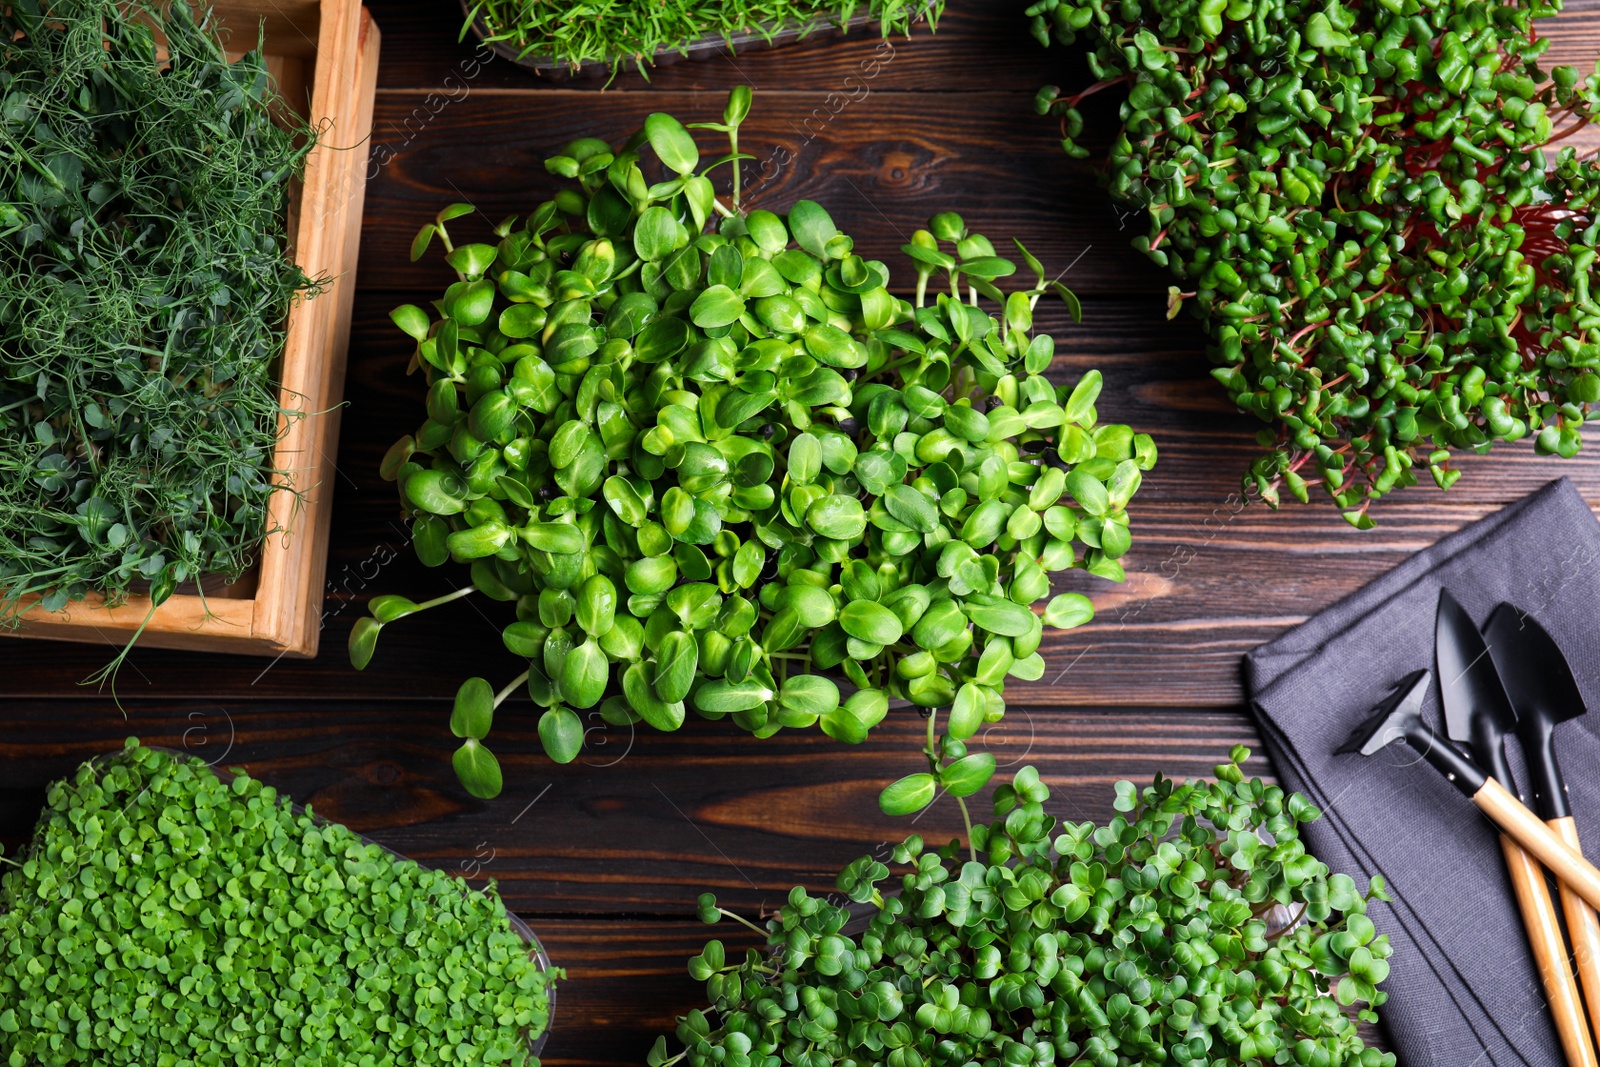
[323, 58]
[753, 38]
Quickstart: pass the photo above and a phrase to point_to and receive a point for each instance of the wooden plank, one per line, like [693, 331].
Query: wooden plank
[291, 27]
[881, 167]
[294, 563]
[641, 823]
[1203, 589]
[979, 44]
[627, 982]
[977, 41]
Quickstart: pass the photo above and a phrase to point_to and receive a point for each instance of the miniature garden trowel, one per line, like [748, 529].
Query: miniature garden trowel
[1544, 693]
[1398, 717]
[1478, 714]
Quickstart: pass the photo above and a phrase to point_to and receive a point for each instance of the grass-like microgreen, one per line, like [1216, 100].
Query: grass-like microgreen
[1369, 203]
[1192, 928]
[161, 915]
[726, 470]
[615, 34]
[144, 288]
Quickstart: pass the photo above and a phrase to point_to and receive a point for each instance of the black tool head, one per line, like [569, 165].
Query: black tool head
[1477, 711]
[1397, 716]
[1536, 674]
[1541, 686]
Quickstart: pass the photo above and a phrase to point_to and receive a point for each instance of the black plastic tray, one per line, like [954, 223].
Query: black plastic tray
[753, 38]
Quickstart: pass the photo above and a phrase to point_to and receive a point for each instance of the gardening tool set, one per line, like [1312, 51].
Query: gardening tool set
[1511, 680]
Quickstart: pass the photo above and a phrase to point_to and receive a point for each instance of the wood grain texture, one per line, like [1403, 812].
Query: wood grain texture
[1544, 844]
[643, 821]
[976, 41]
[293, 563]
[978, 44]
[626, 984]
[1583, 927]
[1543, 928]
[881, 164]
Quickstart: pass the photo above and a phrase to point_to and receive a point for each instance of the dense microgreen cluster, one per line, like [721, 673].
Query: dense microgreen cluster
[144, 288]
[1192, 928]
[1364, 200]
[164, 916]
[615, 34]
[729, 470]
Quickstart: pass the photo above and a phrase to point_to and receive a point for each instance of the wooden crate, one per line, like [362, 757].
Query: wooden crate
[324, 55]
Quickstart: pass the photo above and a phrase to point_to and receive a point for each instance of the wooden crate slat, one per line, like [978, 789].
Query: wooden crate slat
[293, 564]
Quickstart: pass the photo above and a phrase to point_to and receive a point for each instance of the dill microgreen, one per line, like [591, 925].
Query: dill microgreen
[717, 465]
[614, 34]
[1192, 928]
[162, 915]
[144, 288]
[1372, 206]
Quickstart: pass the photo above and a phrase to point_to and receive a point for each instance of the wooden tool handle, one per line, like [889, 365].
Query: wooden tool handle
[1583, 926]
[1525, 828]
[1549, 953]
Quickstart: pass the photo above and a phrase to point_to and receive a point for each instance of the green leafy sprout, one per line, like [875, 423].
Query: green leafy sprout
[162, 915]
[1370, 205]
[613, 34]
[1191, 928]
[726, 470]
[144, 289]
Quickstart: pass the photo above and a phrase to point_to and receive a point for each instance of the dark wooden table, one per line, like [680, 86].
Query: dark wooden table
[606, 856]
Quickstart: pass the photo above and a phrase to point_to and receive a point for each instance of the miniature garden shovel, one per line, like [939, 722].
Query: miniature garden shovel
[1478, 715]
[1398, 717]
[1544, 693]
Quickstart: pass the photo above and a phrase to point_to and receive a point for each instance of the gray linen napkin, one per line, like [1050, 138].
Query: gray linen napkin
[1463, 990]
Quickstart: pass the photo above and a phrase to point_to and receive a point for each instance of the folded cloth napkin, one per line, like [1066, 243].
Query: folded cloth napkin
[1463, 989]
